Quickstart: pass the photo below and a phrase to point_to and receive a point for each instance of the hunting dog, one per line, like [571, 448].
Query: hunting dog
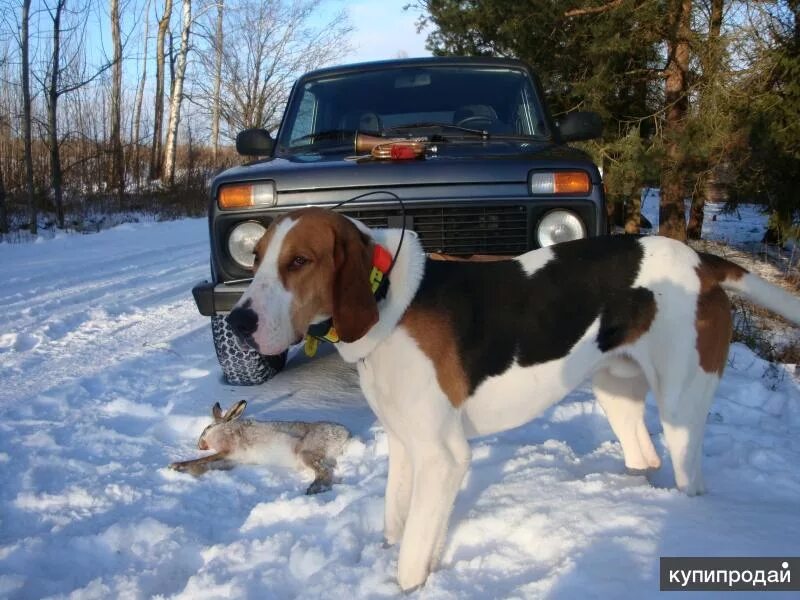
[454, 350]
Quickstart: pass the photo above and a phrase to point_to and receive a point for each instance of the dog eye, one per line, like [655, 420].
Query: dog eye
[298, 261]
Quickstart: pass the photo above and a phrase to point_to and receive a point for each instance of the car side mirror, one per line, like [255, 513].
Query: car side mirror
[579, 126]
[254, 142]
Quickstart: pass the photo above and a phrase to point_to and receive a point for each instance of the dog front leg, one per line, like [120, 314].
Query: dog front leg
[398, 490]
[439, 468]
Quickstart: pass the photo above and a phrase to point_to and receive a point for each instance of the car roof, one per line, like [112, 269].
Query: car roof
[425, 61]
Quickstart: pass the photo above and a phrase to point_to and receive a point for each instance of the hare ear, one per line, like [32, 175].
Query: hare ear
[354, 308]
[236, 410]
[216, 412]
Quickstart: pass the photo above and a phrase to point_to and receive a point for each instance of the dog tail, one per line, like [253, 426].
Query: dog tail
[733, 278]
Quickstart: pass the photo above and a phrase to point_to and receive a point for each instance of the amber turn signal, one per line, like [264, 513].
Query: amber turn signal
[572, 182]
[560, 182]
[245, 195]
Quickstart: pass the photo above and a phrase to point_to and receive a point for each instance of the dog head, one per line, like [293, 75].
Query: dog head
[311, 264]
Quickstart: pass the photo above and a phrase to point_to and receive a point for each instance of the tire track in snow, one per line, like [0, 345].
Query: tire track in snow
[99, 298]
[38, 302]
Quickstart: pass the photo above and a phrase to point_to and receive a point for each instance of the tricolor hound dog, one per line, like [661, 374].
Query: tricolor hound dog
[463, 349]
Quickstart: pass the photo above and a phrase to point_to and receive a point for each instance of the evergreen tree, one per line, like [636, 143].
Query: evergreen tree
[677, 113]
[768, 162]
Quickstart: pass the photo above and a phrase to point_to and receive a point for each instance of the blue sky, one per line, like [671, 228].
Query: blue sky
[382, 29]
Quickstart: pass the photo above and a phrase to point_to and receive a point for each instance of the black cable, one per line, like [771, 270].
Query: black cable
[354, 198]
[403, 214]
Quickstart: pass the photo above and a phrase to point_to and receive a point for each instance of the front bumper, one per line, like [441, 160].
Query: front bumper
[217, 298]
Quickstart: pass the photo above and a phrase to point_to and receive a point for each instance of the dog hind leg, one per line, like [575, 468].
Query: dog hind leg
[623, 401]
[683, 417]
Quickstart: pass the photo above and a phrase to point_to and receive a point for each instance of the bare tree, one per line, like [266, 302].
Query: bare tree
[276, 42]
[137, 117]
[218, 41]
[3, 209]
[63, 120]
[52, 114]
[177, 94]
[66, 73]
[26, 112]
[4, 126]
[117, 157]
[158, 115]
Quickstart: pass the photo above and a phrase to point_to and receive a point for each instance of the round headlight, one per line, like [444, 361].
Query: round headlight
[560, 226]
[241, 241]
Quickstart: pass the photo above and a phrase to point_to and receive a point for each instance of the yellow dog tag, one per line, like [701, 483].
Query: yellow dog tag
[311, 346]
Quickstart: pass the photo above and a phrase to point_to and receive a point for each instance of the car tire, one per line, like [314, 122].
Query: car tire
[242, 366]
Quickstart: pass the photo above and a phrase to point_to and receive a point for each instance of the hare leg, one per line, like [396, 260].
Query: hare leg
[198, 466]
[323, 471]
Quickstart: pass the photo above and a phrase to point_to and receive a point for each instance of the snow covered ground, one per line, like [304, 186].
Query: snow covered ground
[744, 227]
[107, 374]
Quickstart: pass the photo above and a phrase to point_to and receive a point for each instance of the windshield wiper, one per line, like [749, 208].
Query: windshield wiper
[484, 134]
[322, 135]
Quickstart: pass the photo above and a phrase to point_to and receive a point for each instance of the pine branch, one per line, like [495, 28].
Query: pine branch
[594, 10]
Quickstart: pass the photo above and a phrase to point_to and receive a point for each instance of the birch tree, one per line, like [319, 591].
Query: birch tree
[215, 98]
[137, 116]
[177, 94]
[158, 114]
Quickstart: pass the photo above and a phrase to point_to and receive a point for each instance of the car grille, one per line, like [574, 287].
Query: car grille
[458, 230]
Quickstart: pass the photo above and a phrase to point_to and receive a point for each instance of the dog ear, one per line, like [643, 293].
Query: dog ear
[354, 306]
[216, 412]
[235, 411]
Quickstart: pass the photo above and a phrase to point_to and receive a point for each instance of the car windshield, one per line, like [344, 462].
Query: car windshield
[450, 102]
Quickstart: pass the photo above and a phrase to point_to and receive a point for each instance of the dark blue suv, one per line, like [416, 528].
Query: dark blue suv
[467, 144]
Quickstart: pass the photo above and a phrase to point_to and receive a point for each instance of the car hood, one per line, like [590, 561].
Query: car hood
[478, 162]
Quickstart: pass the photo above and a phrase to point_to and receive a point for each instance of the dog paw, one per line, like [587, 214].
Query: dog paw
[409, 585]
[694, 489]
[411, 578]
[392, 534]
[632, 471]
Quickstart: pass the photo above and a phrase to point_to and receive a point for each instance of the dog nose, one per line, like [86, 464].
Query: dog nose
[243, 320]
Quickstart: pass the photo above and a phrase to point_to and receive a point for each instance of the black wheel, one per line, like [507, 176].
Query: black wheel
[242, 366]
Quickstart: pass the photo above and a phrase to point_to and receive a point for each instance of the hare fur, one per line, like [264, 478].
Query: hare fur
[280, 443]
